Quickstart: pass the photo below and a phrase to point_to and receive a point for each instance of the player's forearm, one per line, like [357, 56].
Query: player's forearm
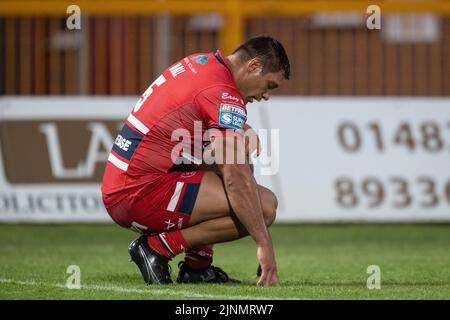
[242, 193]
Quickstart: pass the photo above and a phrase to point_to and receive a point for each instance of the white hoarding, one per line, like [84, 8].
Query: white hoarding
[333, 159]
[360, 159]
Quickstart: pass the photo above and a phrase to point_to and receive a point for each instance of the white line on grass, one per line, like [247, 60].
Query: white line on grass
[162, 292]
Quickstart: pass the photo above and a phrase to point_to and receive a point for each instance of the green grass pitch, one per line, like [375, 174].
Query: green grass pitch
[314, 261]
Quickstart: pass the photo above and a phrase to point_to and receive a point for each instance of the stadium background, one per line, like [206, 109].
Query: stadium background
[49, 74]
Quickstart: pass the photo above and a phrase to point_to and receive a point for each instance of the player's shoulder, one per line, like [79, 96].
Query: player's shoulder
[224, 105]
[203, 67]
[200, 59]
[210, 69]
[223, 92]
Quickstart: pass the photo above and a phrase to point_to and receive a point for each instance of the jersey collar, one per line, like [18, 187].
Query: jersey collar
[219, 58]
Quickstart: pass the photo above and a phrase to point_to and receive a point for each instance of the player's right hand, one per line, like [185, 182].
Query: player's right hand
[269, 274]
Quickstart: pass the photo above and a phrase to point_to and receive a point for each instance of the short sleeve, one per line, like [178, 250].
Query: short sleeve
[222, 108]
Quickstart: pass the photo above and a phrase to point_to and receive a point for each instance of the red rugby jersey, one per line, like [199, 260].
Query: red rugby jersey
[191, 96]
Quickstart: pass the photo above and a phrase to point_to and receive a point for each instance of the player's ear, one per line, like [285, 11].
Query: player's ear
[255, 66]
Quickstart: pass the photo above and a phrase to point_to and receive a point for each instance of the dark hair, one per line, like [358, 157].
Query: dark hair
[269, 50]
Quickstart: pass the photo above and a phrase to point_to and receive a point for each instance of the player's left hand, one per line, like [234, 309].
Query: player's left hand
[266, 259]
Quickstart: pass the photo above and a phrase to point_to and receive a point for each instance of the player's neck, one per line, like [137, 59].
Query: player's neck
[234, 64]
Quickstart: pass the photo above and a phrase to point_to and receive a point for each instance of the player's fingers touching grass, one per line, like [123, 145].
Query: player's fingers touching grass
[276, 277]
[273, 279]
[269, 278]
[269, 275]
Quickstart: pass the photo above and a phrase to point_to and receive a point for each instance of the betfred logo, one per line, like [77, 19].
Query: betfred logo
[225, 107]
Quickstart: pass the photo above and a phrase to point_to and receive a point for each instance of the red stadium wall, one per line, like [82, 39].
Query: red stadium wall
[119, 55]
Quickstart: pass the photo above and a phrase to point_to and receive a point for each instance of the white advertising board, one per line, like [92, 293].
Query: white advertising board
[332, 159]
[360, 159]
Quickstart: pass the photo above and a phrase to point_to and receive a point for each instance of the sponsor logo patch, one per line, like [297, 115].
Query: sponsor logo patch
[232, 116]
[227, 96]
[226, 117]
[126, 142]
[201, 59]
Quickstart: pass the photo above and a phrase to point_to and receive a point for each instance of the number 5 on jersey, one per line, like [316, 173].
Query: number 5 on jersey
[158, 82]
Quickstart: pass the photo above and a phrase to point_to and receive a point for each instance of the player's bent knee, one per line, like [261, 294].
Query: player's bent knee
[269, 203]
